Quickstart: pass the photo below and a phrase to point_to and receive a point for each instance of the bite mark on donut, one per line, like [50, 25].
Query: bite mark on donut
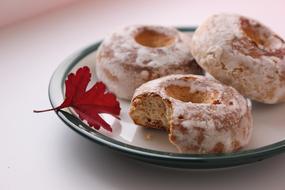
[151, 111]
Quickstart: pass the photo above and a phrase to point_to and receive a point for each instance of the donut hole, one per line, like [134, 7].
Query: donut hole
[153, 39]
[256, 32]
[184, 94]
[258, 40]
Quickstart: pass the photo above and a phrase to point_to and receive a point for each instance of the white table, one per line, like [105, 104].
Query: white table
[40, 152]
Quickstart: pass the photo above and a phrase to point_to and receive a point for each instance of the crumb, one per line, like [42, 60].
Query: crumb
[148, 136]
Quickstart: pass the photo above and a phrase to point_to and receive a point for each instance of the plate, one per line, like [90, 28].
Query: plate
[151, 145]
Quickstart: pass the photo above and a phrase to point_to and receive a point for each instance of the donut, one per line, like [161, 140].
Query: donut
[243, 53]
[200, 114]
[136, 54]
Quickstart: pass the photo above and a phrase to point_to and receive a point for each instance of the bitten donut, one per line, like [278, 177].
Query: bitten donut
[243, 53]
[137, 54]
[201, 114]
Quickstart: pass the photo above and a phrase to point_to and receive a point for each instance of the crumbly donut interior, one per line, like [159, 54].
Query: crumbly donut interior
[151, 112]
[153, 39]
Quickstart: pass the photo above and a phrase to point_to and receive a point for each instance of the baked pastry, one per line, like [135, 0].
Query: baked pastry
[201, 114]
[137, 54]
[243, 53]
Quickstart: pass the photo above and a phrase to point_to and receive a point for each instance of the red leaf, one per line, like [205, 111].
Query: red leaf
[88, 104]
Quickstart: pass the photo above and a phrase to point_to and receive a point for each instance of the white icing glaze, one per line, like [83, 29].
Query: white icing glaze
[130, 64]
[261, 78]
[226, 123]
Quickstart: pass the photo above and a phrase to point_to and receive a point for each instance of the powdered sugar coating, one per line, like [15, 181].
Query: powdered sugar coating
[123, 64]
[243, 53]
[223, 125]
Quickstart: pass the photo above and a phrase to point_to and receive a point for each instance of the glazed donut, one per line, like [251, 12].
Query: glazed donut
[137, 54]
[201, 114]
[243, 53]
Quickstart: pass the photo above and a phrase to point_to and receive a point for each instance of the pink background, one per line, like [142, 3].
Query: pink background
[40, 152]
[12, 11]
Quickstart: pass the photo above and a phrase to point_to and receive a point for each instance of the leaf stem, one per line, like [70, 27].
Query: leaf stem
[40, 111]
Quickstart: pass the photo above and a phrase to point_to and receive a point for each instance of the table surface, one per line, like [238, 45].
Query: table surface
[39, 152]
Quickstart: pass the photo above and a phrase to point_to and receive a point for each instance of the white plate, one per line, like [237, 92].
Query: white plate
[152, 145]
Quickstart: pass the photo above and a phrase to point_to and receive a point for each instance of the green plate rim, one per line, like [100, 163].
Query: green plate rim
[153, 156]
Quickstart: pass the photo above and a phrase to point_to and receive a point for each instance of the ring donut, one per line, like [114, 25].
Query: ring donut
[137, 54]
[201, 114]
[243, 53]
